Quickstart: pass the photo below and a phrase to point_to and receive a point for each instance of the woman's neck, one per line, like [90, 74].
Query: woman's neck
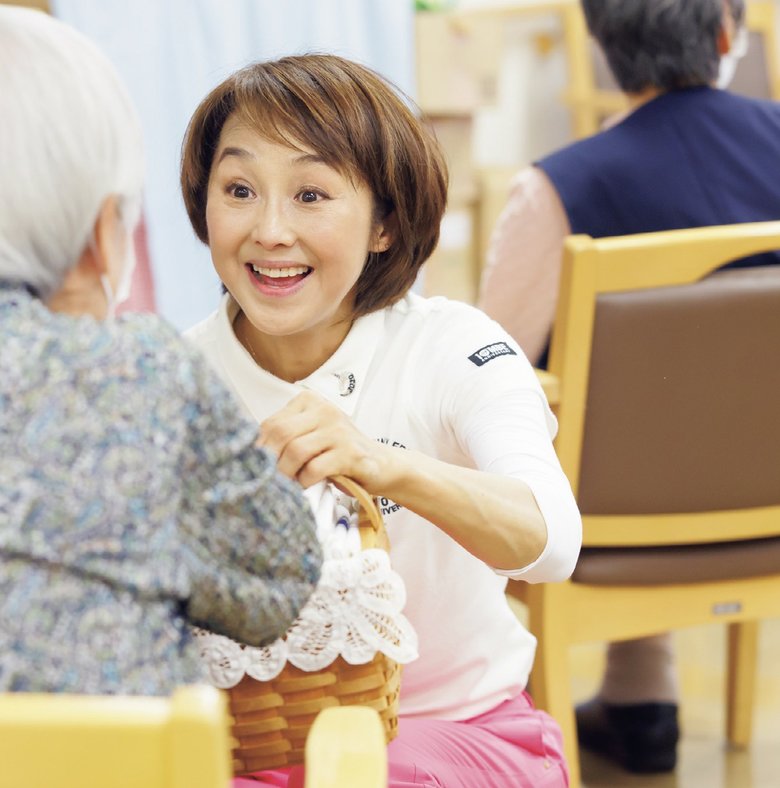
[290, 358]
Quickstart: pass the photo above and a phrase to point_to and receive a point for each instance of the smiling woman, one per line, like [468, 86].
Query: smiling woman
[320, 194]
[289, 236]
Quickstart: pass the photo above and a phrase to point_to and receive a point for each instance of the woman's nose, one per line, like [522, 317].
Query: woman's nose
[272, 226]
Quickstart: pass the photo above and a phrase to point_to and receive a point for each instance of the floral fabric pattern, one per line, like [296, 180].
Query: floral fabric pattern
[133, 504]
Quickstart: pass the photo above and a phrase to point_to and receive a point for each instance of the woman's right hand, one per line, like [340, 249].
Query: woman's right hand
[314, 440]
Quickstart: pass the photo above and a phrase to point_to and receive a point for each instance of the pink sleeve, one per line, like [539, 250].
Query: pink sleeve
[519, 286]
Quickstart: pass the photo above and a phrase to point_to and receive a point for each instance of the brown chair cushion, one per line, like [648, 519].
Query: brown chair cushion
[647, 566]
[683, 410]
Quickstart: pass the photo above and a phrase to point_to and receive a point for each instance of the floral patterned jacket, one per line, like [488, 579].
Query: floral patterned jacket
[133, 504]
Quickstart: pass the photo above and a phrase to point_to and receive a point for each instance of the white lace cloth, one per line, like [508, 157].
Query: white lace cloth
[354, 612]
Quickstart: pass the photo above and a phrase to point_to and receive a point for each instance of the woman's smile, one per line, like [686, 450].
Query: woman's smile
[278, 281]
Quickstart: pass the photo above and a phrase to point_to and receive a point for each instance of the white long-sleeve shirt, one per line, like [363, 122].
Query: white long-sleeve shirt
[441, 378]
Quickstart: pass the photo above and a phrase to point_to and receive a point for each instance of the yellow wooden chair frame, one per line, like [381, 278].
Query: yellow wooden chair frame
[78, 741]
[89, 741]
[346, 749]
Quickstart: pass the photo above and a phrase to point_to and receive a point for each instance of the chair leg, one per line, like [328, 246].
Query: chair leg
[740, 681]
[550, 676]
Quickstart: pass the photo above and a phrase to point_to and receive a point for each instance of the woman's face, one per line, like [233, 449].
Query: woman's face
[289, 235]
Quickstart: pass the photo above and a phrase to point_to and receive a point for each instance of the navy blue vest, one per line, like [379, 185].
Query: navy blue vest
[688, 158]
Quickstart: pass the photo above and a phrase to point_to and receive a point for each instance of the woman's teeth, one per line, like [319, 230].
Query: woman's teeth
[278, 273]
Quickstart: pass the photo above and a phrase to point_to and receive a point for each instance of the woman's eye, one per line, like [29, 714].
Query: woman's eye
[309, 196]
[239, 191]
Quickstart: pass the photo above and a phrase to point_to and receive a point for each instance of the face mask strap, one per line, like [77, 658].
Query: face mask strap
[105, 283]
[729, 61]
[110, 297]
[129, 214]
[739, 46]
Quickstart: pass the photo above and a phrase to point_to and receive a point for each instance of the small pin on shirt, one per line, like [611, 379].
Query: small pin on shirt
[346, 383]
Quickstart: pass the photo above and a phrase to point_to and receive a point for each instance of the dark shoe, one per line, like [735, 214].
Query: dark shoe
[641, 737]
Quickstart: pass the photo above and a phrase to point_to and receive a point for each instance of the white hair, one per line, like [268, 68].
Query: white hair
[69, 138]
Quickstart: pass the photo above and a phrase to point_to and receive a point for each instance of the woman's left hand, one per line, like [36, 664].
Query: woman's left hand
[314, 440]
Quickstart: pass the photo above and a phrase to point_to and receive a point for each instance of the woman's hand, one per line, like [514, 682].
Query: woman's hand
[495, 518]
[314, 440]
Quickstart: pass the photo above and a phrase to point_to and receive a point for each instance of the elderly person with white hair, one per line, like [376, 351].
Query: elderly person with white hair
[134, 502]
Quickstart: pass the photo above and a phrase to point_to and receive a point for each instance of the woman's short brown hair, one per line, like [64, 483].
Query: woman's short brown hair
[358, 122]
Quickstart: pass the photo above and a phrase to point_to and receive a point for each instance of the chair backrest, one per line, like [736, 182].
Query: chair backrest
[669, 384]
[594, 96]
[80, 741]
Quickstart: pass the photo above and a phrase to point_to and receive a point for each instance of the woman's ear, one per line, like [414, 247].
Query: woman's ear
[384, 233]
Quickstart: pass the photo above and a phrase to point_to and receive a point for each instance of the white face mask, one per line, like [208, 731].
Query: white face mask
[110, 297]
[125, 281]
[131, 215]
[730, 61]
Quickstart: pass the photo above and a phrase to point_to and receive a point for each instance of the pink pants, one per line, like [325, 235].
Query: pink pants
[511, 746]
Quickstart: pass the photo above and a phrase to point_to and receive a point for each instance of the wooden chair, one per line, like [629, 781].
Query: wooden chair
[669, 383]
[346, 748]
[81, 741]
[75, 741]
[593, 96]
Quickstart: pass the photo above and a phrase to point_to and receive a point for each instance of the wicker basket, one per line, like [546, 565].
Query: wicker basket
[271, 719]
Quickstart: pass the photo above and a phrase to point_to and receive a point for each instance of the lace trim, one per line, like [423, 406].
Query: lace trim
[354, 612]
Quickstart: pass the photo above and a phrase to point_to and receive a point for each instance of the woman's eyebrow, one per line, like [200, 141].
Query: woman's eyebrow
[241, 153]
[309, 158]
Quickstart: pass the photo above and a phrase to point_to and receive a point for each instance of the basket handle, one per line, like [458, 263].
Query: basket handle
[369, 506]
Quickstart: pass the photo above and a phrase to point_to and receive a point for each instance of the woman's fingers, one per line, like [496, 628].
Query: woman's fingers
[325, 451]
[298, 417]
[301, 450]
[342, 459]
[278, 431]
[313, 440]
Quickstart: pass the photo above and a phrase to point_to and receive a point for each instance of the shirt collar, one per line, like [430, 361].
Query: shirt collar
[340, 379]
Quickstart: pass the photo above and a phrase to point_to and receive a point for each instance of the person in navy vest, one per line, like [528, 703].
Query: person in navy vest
[688, 153]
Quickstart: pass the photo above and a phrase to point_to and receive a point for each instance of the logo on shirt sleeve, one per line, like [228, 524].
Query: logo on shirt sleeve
[489, 352]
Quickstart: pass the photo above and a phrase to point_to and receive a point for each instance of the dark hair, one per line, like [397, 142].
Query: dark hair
[665, 44]
[358, 122]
